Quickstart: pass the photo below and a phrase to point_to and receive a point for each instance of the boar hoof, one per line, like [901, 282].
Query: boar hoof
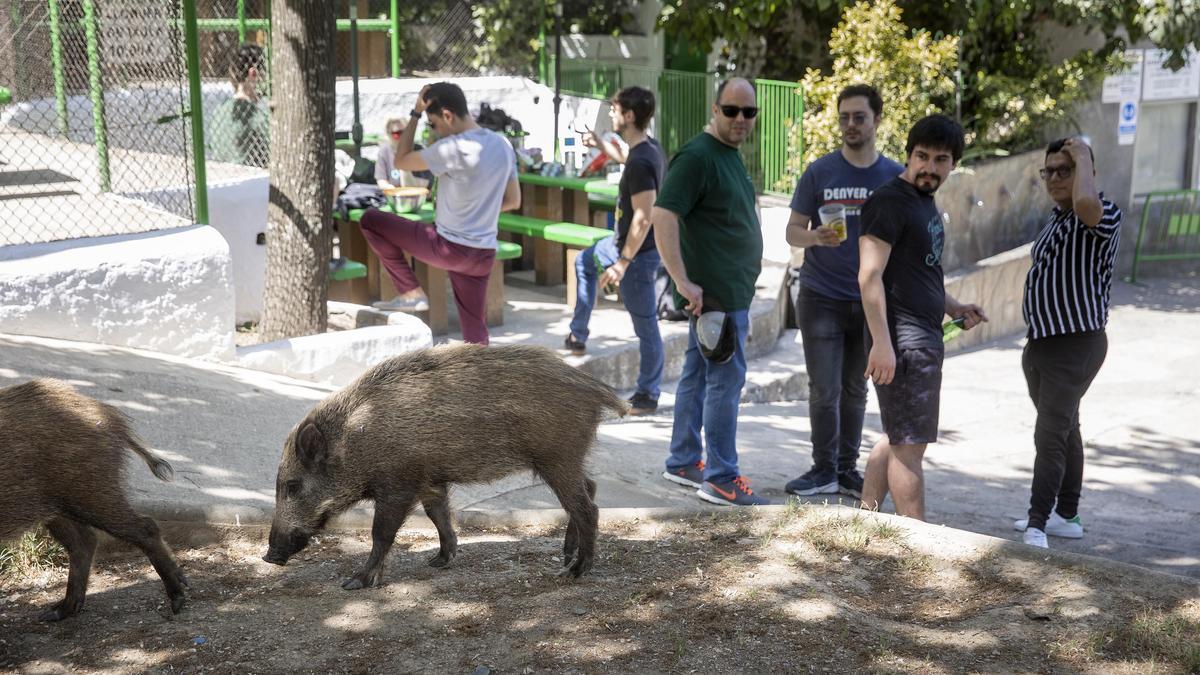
[361, 580]
[578, 568]
[177, 603]
[440, 560]
[59, 612]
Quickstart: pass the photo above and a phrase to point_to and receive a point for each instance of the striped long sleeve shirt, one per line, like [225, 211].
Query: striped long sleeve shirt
[1067, 288]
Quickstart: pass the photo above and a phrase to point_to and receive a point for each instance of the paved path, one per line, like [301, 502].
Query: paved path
[223, 429]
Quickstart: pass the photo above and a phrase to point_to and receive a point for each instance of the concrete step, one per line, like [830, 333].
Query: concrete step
[779, 375]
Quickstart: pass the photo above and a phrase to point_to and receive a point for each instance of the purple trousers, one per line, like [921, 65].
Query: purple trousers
[391, 237]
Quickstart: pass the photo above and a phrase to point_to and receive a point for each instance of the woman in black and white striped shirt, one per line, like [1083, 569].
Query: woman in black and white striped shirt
[1066, 308]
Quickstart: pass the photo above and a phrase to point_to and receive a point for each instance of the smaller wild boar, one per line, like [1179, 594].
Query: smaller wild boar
[62, 460]
[409, 427]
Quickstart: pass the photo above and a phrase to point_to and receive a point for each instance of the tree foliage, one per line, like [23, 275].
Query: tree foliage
[912, 70]
[1011, 83]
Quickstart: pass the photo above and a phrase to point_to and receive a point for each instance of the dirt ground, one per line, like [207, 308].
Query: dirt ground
[806, 589]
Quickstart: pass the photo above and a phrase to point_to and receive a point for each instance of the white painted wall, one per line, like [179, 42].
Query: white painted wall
[528, 101]
[169, 291]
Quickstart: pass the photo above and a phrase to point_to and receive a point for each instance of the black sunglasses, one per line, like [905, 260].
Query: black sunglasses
[731, 111]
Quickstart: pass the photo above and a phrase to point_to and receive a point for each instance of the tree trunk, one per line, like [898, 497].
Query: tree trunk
[300, 207]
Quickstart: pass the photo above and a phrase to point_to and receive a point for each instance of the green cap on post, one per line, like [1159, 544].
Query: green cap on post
[5, 96]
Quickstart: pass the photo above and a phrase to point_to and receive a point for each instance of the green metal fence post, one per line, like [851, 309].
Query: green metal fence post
[394, 17]
[192, 43]
[56, 60]
[96, 90]
[241, 15]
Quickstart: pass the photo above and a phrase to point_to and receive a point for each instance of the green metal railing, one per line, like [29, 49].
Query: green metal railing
[780, 110]
[684, 103]
[1169, 228]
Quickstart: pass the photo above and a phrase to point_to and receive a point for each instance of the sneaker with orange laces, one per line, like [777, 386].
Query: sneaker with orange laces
[691, 476]
[736, 492]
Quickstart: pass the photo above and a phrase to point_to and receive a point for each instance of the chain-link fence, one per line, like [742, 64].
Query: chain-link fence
[94, 139]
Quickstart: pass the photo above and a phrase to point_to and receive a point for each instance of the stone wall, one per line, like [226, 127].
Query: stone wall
[992, 207]
[997, 284]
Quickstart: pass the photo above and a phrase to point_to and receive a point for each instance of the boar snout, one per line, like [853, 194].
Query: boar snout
[284, 545]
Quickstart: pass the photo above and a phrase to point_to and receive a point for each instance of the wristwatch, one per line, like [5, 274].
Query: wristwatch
[627, 260]
[414, 113]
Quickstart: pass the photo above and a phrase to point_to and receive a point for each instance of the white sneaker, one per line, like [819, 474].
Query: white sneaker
[1035, 537]
[1056, 526]
[399, 304]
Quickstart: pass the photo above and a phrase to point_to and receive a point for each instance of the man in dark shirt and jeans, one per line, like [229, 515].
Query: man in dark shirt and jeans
[904, 299]
[1066, 307]
[629, 257]
[829, 307]
[711, 242]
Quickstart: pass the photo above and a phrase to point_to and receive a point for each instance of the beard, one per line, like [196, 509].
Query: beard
[934, 181]
[855, 144]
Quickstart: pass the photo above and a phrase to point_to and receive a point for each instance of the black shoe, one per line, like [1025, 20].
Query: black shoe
[850, 483]
[574, 346]
[642, 404]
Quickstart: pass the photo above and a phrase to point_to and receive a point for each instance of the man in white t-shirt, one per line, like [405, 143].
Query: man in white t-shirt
[477, 179]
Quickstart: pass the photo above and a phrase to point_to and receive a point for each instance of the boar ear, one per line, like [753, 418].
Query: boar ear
[310, 445]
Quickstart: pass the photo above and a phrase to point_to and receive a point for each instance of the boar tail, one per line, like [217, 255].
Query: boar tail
[161, 469]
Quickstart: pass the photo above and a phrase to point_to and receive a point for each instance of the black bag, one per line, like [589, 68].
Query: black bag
[358, 196]
[792, 318]
[664, 290]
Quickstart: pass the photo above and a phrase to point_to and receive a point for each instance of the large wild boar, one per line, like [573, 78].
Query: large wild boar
[62, 460]
[411, 426]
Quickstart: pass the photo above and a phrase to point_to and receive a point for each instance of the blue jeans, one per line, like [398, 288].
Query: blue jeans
[835, 355]
[708, 397]
[637, 292]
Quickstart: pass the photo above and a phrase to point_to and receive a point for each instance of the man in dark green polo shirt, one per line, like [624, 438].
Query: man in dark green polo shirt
[711, 242]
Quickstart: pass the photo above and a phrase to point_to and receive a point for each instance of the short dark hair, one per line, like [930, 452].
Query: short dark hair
[247, 56]
[936, 132]
[1057, 146]
[448, 96]
[866, 91]
[639, 101]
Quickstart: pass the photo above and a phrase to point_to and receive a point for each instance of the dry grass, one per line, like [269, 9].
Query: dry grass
[33, 553]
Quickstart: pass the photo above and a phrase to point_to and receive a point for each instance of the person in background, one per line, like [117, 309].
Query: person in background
[829, 306]
[477, 173]
[629, 257]
[239, 129]
[386, 174]
[1066, 308]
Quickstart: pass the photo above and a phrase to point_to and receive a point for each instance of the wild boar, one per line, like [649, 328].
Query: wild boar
[409, 427]
[62, 461]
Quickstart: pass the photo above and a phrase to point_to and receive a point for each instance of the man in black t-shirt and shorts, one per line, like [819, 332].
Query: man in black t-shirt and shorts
[904, 299]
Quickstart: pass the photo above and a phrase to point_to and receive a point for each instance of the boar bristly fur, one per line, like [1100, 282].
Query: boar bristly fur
[62, 461]
[413, 425]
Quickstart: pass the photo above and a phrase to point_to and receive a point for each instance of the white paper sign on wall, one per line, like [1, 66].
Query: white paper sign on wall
[1162, 84]
[1126, 85]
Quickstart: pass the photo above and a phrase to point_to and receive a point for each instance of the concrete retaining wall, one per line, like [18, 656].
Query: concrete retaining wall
[998, 285]
[170, 291]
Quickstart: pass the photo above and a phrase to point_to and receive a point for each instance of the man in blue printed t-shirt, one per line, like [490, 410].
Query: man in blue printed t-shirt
[829, 307]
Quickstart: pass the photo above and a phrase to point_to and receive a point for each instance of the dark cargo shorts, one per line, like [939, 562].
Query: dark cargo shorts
[909, 405]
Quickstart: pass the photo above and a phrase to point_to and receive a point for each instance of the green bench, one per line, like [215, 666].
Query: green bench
[375, 284]
[556, 245]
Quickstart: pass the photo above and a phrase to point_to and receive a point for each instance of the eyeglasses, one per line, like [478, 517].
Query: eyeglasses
[858, 118]
[1057, 172]
[731, 111]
